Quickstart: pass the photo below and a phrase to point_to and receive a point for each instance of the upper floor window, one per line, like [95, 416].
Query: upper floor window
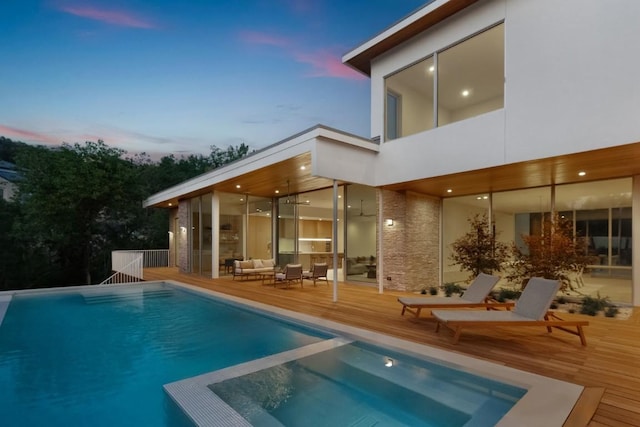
[467, 78]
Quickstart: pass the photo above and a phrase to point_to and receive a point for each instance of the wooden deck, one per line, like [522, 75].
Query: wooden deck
[609, 366]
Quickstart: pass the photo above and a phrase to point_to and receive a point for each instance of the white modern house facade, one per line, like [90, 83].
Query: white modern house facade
[509, 108]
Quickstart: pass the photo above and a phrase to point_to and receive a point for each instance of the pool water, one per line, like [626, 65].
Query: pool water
[101, 358]
[361, 385]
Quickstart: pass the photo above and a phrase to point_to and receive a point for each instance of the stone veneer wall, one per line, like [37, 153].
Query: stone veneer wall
[411, 247]
[183, 237]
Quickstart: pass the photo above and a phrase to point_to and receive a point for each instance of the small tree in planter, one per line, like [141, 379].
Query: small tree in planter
[478, 251]
[554, 253]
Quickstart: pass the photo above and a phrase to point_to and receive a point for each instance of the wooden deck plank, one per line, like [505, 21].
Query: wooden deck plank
[610, 361]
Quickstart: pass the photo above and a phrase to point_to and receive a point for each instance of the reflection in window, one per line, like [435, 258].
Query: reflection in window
[471, 77]
[393, 115]
[409, 100]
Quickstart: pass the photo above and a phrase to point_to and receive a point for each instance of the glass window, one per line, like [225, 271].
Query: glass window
[231, 230]
[456, 213]
[471, 77]
[393, 115]
[361, 236]
[195, 235]
[409, 100]
[259, 240]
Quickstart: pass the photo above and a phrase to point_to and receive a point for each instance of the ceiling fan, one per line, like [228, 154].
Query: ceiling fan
[362, 210]
[292, 201]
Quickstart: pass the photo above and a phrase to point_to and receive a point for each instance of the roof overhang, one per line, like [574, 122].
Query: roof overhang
[286, 166]
[608, 163]
[424, 18]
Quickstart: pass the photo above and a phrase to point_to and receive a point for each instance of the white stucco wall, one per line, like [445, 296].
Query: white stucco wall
[570, 86]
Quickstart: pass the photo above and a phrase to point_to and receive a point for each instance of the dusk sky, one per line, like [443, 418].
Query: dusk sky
[175, 77]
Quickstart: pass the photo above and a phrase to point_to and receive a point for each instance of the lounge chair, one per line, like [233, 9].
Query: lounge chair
[291, 273]
[318, 272]
[476, 295]
[530, 310]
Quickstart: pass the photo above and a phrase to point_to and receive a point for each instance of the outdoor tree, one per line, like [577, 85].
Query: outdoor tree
[73, 198]
[478, 251]
[553, 253]
[77, 203]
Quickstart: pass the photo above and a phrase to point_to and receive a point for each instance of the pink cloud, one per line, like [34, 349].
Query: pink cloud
[26, 135]
[119, 18]
[326, 64]
[255, 37]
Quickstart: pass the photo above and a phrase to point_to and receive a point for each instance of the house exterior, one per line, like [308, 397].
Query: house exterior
[8, 180]
[508, 108]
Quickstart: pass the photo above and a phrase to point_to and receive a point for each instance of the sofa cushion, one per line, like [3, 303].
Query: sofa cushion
[246, 264]
[268, 263]
[257, 263]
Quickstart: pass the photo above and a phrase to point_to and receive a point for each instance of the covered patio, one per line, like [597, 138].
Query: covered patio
[608, 367]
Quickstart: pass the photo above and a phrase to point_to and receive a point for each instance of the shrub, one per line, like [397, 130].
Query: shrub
[451, 288]
[611, 311]
[592, 305]
[506, 294]
[433, 290]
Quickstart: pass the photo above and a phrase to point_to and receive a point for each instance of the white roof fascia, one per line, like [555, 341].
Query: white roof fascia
[294, 146]
[394, 29]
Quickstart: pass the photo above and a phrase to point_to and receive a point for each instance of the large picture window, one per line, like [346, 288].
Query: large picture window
[470, 81]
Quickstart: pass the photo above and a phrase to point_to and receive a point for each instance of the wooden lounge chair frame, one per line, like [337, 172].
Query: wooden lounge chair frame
[551, 320]
[532, 309]
[485, 281]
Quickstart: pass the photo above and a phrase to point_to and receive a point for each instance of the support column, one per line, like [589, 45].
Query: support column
[635, 262]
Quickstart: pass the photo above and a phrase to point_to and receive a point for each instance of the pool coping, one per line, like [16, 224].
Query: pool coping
[551, 397]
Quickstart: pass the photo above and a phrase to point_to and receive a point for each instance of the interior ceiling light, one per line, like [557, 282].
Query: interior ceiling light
[277, 191]
[237, 185]
[432, 69]
[582, 173]
[449, 190]
[465, 93]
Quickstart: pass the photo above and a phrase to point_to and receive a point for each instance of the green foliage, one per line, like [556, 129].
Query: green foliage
[592, 305]
[76, 203]
[611, 311]
[451, 288]
[433, 290]
[478, 251]
[508, 294]
[553, 253]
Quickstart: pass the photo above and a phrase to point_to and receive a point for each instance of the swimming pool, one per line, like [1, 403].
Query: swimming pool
[139, 338]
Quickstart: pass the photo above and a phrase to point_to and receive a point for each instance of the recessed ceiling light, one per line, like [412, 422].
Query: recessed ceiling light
[277, 191]
[449, 190]
[432, 69]
[241, 199]
[465, 93]
[582, 173]
[170, 204]
[237, 185]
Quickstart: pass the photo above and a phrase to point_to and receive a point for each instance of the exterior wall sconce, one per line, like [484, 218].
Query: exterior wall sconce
[389, 221]
[183, 229]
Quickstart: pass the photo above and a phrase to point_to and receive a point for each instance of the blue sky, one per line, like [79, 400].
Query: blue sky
[175, 77]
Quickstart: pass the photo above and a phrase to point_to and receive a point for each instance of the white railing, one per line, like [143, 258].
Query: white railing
[128, 266]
